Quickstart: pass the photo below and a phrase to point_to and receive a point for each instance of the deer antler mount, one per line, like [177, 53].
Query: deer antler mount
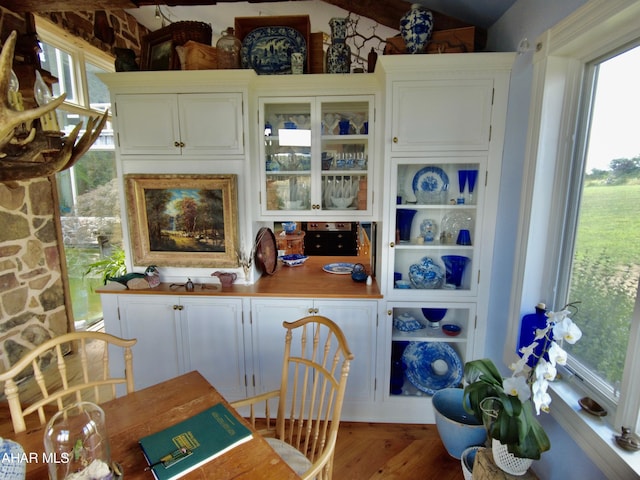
[26, 151]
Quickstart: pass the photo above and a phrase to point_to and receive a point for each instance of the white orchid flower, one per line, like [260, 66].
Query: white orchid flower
[517, 387]
[542, 332]
[557, 317]
[545, 370]
[567, 330]
[541, 399]
[518, 366]
[557, 355]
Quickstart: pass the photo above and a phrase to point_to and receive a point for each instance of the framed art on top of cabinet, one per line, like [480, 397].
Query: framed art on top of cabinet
[183, 220]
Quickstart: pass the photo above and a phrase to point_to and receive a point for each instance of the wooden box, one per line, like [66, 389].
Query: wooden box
[301, 23]
[454, 40]
[197, 56]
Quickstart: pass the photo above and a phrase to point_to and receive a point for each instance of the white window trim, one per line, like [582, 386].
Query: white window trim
[598, 27]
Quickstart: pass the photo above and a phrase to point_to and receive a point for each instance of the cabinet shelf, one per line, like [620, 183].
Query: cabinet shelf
[432, 335]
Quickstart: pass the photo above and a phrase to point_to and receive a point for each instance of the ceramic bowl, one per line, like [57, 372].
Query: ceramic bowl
[403, 284]
[294, 260]
[341, 202]
[406, 323]
[293, 205]
[451, 329]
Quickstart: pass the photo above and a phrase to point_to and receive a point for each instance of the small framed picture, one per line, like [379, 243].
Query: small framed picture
[158, 51]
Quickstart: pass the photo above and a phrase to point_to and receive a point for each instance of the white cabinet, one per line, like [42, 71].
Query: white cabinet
[179, 334]
[316, 155]
[437, 114]
[356, 318]
[180, 124]
[443, 145]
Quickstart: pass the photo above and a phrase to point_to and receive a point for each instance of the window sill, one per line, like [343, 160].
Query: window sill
[593, 434]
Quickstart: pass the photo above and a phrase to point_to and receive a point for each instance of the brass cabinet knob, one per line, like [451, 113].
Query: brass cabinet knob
[389, 312]
[395, 139]
[176, 144]
[392, 244]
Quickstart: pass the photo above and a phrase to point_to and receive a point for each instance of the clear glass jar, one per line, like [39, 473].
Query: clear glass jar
[77, 444]
[228, 50]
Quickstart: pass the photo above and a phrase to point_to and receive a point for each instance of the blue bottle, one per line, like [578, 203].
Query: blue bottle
[530, 323]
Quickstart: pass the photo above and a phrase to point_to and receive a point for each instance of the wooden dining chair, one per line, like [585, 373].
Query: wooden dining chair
[58, 383]
[309, 401]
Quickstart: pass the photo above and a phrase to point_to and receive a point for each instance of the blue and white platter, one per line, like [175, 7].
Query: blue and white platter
[430, 179]
[339, 268]
[432, 366]
[268, 50]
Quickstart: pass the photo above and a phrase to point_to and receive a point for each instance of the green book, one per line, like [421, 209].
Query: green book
[176, 450]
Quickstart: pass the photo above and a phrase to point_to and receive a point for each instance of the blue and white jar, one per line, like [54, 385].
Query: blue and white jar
[415, 28]
[338, 53]
[13, 464]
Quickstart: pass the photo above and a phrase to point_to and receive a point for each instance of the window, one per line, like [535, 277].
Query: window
[577, 206]
[88, 196]
[601, 267]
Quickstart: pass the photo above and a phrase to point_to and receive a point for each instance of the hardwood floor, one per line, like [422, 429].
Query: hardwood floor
[365, 451]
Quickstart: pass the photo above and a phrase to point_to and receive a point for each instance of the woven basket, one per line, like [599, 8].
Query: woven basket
[508, 462]
[199, 32]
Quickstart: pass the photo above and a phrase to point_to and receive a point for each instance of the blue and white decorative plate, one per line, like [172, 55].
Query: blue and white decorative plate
[432, 366]
[339, 268]
[431, 179]
[268, 50]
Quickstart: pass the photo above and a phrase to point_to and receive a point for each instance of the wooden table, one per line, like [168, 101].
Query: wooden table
[133, 416]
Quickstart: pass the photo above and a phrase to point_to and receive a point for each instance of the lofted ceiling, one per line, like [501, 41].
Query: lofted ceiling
[387, 13]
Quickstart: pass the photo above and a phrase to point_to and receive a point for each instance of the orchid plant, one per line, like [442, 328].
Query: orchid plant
[511, 420]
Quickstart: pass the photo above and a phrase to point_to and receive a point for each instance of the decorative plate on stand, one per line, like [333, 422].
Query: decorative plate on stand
[266, 251]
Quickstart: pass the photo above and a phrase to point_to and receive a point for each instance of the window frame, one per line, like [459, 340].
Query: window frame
[558, 89]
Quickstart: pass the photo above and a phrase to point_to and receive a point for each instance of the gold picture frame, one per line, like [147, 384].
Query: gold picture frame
[183, 220]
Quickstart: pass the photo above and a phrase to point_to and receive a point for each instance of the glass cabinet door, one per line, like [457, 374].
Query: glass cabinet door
[316, 154]
[430, 342]
[435, 220]
[345, 155]
[287, 155]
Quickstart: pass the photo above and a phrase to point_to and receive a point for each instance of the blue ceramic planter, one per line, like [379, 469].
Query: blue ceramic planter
[458, 429]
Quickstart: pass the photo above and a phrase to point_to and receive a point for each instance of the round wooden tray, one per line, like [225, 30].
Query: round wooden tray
[266, 251]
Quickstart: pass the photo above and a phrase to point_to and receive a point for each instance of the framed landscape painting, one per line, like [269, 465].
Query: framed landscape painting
[183, 220]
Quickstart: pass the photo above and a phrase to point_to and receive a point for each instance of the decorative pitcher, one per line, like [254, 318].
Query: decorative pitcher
[226, 278]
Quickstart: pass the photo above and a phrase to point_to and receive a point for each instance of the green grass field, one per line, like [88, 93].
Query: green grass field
[610, 220]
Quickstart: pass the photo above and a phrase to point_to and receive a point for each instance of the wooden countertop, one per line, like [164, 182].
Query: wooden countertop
[306, 280]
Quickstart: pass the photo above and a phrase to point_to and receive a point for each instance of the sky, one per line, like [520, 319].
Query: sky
[615, 131]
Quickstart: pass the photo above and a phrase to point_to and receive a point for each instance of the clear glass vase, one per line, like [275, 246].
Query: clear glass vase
[228, 50]
[76, 444]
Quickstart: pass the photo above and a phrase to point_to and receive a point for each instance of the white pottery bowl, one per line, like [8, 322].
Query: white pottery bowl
[341, 202]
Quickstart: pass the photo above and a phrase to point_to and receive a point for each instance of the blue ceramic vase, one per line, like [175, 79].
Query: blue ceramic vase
[415, 28]
[404, 220]
[338, 53]
[455, 266]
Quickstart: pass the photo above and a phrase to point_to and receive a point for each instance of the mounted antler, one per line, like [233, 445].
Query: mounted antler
[27, 153]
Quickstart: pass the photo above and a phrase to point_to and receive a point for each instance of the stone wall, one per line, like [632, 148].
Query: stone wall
[32, 307]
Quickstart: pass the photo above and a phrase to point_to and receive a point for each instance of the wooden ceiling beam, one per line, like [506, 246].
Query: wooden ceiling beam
[30, 6]
[389, 12]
